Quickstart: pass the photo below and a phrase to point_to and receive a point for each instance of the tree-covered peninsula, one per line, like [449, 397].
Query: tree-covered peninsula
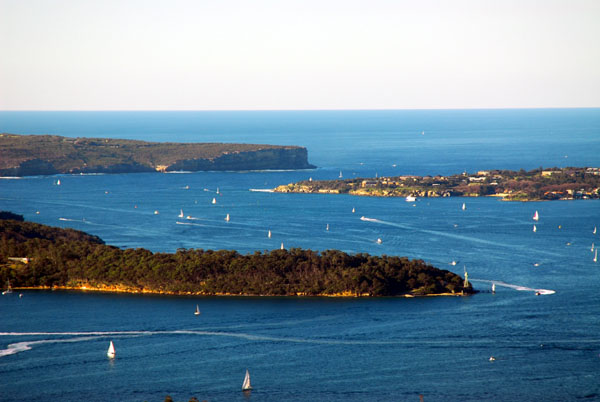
[27, 155]
[38, 256]
[535, 185]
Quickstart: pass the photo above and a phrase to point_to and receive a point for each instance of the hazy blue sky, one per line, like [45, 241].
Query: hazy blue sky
[298, 54]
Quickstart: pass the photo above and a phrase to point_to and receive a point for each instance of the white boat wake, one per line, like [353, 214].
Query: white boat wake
[451, 235]
[516, 287]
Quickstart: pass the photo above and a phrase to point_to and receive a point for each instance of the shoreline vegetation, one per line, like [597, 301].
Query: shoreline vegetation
[32, 155]
[535, 185]
[35, 256]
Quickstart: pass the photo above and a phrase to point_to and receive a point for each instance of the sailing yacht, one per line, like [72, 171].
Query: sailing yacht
[592, 249]
[214, 201]
[197, 312]
[246, 386]
[493, 288]
[379, 241]
[181, 213]
[111, 350]
[464, 206]
[327, 227]
[353, 210]
[536, 216]
[227, 218]
[282, 246]
[534, 228]
[341, 174]
[269, 234]
[596, 256]
[594, 232]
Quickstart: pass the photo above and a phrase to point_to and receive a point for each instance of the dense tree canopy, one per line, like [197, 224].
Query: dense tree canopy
[66, 257]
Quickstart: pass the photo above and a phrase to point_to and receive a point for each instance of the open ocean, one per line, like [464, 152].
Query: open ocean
[547, 348]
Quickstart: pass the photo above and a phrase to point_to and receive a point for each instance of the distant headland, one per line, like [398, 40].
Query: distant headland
[43, 257]
[536, 185]
[29, 155]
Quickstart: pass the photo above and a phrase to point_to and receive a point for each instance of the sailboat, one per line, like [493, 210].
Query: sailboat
[534, 228]
[181, 213]
[246, 386]
[464, 206]
[218, 192]
[341, 174]
[58, 182]
[197, 312]
[493, 288]
[327, 227]
[353, 210]
[379, 241]
[596, 256]
[214, 201]
[8, 288]
[536, 216]
[269, 234]
[592, 249]
[282, 245]
[111, 350]
[227, 218]
[594, 232]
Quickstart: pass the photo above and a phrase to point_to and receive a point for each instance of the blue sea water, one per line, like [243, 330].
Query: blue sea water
[53, 344]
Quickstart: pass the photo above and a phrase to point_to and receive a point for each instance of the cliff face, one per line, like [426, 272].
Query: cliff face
[264, 159]
[28, 155]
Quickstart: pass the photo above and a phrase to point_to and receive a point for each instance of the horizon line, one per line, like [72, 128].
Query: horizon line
[303, 110]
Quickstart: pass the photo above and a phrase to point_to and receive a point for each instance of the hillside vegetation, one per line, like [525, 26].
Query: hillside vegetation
[69, 258]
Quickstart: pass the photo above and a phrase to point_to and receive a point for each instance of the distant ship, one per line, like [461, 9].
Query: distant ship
[410, 198]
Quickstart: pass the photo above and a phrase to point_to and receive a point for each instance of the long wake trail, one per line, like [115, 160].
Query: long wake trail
[452, 235]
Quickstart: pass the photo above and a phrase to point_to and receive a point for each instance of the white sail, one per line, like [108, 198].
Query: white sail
[596, 256]
[536, 216]
[197, 312]
[594, 232]
[592, 249]
[58, 182]
[341, 174]
[534, 228]
[282, 245]
[464, 206]
[493, 288]
[227, 218]
[353, 210]
[269, 234]
[214, 201]
[111, 350]
[181, 213]
[379, 241]
[327, 227]
[246, 386]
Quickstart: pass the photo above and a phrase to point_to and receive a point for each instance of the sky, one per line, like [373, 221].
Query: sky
[298, 54]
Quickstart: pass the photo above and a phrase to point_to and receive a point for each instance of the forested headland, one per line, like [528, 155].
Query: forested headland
[27, 155]
[34, 256]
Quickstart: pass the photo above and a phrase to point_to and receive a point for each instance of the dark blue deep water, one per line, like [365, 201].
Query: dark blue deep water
[53, 344]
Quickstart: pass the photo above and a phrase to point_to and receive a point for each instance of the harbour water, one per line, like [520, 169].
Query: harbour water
[53, 344]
